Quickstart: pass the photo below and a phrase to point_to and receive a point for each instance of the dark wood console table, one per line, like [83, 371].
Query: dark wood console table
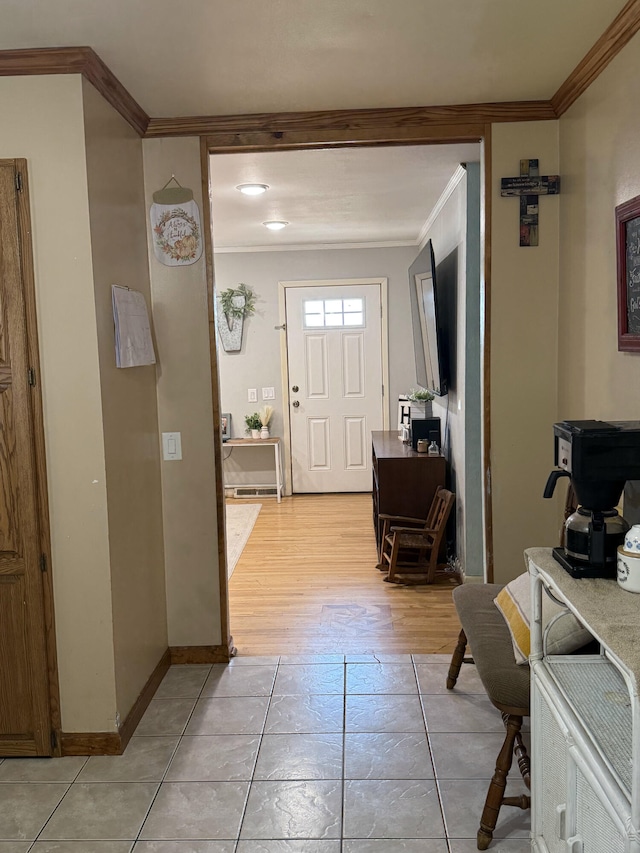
[404, 482]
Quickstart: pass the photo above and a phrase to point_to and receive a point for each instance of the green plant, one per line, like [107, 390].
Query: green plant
[230, 309]
[252, 421]
[420, 395]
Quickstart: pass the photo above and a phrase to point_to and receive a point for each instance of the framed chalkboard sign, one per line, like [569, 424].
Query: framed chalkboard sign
[628, 257]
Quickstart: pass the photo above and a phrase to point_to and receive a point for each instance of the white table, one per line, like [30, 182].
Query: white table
[273, 442]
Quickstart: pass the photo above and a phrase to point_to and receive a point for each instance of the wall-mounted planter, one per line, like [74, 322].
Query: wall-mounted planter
[234, 304]
[230, 328]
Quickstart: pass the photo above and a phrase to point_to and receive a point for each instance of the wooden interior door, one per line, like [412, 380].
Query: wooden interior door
[25, 712]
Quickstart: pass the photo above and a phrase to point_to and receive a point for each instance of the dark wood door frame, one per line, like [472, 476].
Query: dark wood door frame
[26, 259]
[25, 251]
[319, 135]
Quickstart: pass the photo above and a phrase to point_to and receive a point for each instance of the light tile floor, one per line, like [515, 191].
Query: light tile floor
[325, 754]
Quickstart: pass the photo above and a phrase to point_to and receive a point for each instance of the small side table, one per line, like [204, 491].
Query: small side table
[264, 442]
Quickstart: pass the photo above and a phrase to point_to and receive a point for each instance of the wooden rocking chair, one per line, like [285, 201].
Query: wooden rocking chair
[410, 546]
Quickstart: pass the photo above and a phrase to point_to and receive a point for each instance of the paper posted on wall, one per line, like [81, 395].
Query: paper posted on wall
[134, 346]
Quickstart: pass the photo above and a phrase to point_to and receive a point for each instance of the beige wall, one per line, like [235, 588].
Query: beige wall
[184, 405]
[42, 120]
[524, 353]
[107, 548]
[130, 415]
[600, 162]
[582, 375]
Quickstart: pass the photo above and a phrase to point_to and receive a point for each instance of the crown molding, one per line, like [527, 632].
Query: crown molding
[76, 60]
[608, 46]
[343, 124]
[269, 131]
[447, 192]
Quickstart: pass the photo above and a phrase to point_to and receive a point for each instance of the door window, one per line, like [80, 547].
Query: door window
[333, 313]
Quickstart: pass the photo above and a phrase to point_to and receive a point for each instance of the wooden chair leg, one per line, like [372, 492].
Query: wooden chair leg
[456, 661]
[495, 794]
[382, 564]
[393, 559]
[520, 752]
[383, 535]
[433, 565]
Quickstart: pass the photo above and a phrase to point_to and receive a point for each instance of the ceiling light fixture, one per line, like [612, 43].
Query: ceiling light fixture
[275, 224]
[253, 189]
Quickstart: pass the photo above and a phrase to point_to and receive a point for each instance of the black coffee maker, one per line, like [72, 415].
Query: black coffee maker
[600, 457]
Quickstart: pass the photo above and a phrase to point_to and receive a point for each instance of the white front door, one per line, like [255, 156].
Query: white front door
[334, 352]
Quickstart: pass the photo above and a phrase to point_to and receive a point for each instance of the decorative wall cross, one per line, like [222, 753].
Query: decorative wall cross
[528, 187]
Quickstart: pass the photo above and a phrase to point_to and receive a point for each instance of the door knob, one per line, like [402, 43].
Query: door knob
[295, 404]
[295, 389]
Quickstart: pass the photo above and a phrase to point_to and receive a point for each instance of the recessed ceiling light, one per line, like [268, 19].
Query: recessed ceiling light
[253, 189]
[275, 224]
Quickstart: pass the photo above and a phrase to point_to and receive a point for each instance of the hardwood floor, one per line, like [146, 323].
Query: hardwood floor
[306, 583]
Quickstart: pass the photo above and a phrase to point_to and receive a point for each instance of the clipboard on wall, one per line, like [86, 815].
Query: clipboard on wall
[133, 341]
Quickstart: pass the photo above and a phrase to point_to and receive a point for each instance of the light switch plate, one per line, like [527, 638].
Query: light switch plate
[171, 446]
[268, 393]
[252, 395]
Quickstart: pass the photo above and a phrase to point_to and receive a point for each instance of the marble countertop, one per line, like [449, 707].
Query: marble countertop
[610, 613]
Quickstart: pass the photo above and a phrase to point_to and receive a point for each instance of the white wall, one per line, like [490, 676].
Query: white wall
[258, 363]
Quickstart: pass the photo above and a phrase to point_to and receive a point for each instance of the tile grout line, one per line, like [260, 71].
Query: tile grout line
[164, 775]
[45, 824]
[344, 754]
[255, 764]
[433, 763]
[235, 841]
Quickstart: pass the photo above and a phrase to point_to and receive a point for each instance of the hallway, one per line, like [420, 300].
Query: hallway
[290, 754]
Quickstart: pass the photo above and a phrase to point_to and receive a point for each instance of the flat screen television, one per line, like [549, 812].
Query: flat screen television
[427, 319]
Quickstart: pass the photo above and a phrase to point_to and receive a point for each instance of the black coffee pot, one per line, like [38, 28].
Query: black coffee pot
[592, 534]
[599, 457]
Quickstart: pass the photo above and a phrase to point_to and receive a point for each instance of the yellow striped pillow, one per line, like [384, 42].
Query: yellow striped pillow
[514, 602]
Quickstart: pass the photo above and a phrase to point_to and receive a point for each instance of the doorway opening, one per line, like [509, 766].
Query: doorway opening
[255, 264]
